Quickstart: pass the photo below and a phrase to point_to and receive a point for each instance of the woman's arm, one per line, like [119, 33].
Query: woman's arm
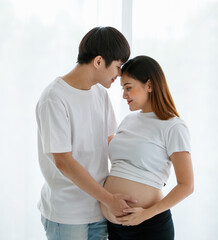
[185, 186]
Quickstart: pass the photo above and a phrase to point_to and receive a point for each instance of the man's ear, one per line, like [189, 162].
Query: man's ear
[98, 62]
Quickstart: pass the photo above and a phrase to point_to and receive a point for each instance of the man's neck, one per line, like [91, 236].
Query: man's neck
[81, 77]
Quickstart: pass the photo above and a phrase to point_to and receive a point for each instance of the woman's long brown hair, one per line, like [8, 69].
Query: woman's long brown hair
[144, 68]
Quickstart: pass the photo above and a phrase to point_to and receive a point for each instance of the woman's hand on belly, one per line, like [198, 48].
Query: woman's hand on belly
[135, 216]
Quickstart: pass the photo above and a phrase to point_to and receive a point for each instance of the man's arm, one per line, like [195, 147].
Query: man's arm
[75, 172]
[110, 138]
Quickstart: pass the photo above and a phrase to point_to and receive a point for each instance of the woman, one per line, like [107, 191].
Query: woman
[147, 143]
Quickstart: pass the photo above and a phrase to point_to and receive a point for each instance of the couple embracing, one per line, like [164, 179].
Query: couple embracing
[77, 129]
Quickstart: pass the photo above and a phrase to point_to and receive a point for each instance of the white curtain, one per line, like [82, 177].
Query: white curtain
[39, 41]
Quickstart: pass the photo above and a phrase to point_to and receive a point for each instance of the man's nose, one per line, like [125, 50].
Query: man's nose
[119, 72]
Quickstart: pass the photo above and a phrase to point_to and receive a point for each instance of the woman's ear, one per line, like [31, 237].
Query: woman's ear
[149, 86]
[98, 61]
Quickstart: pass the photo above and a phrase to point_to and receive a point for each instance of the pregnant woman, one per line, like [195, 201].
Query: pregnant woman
[146, 144]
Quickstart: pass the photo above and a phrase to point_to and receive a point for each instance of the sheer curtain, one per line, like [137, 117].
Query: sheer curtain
[39, 41]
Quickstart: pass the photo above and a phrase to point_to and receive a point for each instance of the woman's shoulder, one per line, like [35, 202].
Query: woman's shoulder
[176, 125]
[176, 121]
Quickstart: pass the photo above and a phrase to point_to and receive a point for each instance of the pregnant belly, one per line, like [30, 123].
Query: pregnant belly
[145, 195]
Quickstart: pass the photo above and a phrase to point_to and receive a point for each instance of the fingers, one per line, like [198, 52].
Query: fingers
[129, 199]
[122, 219]
[120, 203]
[125, 221]
[129, 210]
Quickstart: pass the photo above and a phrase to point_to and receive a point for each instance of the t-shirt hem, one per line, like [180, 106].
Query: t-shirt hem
[139, 180]
[180, 150]
[55, 150]
[72, 221]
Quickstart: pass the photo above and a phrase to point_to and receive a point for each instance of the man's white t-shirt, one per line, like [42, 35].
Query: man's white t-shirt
[77, 121]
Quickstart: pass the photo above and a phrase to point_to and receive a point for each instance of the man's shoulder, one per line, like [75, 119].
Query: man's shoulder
[52, 91]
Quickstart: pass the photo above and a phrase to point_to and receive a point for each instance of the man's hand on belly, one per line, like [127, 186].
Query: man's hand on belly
[118, 203]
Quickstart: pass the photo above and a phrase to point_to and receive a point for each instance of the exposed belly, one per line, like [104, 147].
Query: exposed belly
[145, 195]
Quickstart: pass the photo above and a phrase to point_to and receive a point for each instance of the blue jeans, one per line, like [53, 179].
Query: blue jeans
[91, 231]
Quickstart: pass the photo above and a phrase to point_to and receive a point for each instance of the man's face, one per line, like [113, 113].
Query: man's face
[109, 74]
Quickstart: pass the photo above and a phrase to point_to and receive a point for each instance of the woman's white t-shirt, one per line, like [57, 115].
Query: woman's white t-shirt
[142, 147]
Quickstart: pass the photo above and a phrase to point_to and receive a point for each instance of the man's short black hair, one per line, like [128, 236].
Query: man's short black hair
[106, 42]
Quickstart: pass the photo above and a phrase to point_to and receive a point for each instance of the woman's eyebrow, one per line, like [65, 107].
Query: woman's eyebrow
[126, 84]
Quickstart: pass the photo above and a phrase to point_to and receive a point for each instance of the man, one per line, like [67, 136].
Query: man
[75, 123]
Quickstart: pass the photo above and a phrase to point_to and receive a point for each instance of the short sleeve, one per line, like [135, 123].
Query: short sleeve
[54, 124]
[178, 139]
[111, 119]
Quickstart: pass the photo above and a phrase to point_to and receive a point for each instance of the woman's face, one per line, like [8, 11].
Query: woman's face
[136, 93]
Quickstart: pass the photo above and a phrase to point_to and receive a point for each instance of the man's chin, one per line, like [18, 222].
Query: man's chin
[108, 85]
